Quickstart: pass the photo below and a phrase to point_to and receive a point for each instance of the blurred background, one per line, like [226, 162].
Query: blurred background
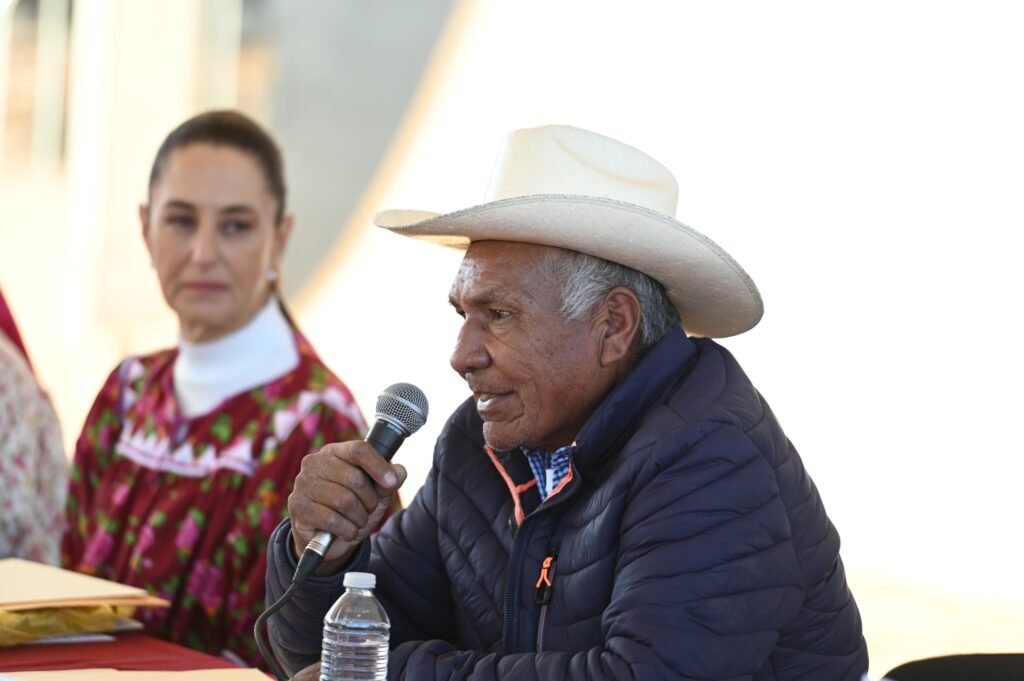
[863, 161]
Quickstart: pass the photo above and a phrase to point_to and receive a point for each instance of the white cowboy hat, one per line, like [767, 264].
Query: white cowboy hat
[562, 186]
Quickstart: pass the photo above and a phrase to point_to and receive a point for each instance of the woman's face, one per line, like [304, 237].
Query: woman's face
[211, 235]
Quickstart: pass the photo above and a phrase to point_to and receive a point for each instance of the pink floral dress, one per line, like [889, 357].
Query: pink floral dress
[33, 468]
[184, 507]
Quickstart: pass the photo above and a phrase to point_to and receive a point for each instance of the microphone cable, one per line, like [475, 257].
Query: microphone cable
[265, 651]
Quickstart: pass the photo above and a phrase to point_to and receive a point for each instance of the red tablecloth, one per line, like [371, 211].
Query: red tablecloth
[132, 651]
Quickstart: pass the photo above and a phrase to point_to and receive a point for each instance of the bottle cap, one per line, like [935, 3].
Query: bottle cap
[360, 580]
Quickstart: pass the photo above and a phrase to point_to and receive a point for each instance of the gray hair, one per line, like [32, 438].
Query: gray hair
[587, 279]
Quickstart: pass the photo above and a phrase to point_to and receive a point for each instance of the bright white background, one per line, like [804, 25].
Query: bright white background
[865, 165]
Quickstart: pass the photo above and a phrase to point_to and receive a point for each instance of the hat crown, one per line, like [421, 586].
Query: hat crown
[564, 160]
[570, 188]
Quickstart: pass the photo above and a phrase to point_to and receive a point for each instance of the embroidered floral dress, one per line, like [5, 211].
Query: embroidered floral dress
[184, 507]
[33, 468]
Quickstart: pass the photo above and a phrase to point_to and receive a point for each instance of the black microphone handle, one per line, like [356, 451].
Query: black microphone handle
[386, 438]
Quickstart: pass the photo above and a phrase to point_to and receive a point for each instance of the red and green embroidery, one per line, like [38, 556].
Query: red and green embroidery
[184, 508]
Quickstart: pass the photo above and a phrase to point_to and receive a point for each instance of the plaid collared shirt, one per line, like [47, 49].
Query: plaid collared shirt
[549, 468]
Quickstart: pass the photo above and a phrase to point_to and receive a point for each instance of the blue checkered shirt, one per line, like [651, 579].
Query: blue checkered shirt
[549, 468]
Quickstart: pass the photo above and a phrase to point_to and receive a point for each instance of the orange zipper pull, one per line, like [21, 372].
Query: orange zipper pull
[542, 592]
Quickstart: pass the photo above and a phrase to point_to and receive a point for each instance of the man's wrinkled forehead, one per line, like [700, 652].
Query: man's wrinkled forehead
[492, 269]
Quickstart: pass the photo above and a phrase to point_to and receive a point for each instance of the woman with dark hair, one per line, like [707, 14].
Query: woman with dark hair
[188, 455]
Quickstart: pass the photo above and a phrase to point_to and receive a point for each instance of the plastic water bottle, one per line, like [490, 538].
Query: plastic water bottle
[356, 632]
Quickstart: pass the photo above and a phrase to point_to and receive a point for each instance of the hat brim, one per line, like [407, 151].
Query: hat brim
[713, 294]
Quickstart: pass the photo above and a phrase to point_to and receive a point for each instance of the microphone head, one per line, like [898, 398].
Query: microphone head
[404, 406]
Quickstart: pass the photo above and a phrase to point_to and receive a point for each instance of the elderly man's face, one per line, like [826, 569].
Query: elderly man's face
[535, 376]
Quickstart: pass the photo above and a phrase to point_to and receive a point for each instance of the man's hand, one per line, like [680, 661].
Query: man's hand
[345, 489]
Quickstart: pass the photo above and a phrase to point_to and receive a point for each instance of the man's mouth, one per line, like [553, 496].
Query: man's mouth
[488, 401]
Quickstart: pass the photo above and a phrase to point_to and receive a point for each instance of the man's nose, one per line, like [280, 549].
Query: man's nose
[470, 351]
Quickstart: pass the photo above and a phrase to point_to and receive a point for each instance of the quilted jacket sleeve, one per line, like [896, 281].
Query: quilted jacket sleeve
[296, 630]
[705, 579]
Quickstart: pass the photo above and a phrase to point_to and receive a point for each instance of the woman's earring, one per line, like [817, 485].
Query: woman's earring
[272, 275]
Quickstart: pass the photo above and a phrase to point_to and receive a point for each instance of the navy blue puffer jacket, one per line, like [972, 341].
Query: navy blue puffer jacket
[688, 543]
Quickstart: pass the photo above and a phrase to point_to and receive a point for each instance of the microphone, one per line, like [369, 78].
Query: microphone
[401, 411]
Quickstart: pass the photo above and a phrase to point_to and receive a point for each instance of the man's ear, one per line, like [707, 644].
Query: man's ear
[620, 325]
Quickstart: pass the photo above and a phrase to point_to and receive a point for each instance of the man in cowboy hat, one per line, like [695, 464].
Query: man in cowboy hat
[615, 500]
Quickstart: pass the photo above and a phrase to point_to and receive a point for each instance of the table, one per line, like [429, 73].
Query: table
[129, 651]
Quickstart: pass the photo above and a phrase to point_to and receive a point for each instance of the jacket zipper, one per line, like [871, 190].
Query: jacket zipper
[514, 567]
[542, 592]
[512, 588]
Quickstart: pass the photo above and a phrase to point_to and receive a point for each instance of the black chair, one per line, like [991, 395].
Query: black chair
[994, 667]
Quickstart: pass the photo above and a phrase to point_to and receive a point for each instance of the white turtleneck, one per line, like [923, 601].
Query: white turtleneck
[206, 374]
